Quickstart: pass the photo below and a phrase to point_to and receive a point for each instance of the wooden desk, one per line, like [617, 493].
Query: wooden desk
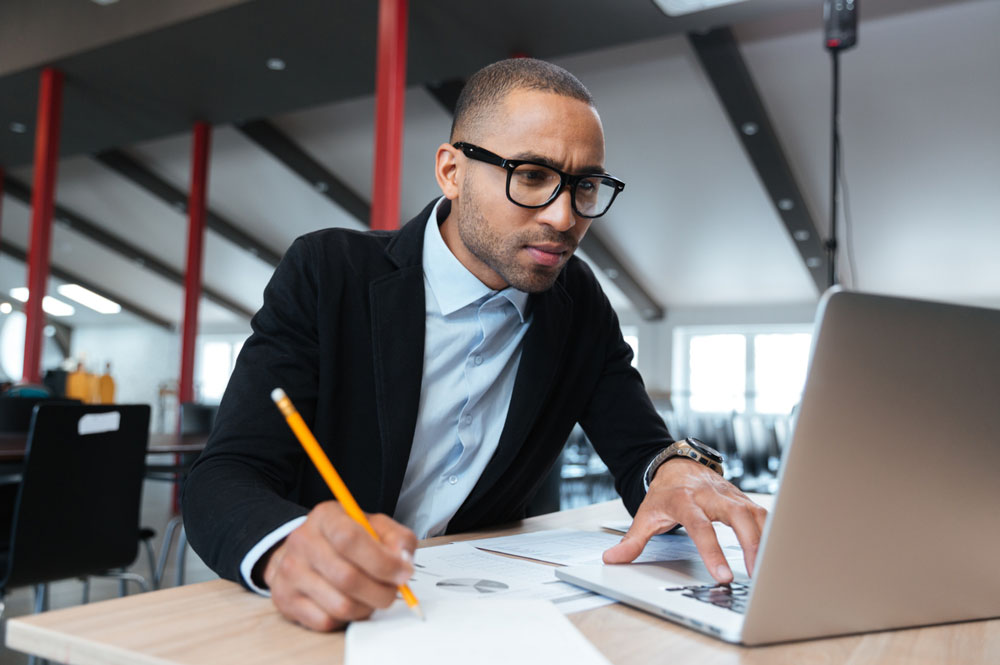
[217, 622]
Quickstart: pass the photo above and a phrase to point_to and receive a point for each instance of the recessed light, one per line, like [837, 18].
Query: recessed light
[275, 64]
[104, 2]
[786, 204]
[749, 128]
[49, 331]
[801, 235]
[321, 187]
[50, 305]
[18, 127]
[88, 298]
[612, 273]
[6, 308]
[813, 262]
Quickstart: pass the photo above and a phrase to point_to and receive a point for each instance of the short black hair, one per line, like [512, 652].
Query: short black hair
[486, 90]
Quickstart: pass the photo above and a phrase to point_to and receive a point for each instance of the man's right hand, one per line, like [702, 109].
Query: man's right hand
[330, 571]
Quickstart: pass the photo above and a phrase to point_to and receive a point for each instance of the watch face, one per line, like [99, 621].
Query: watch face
[704, 449]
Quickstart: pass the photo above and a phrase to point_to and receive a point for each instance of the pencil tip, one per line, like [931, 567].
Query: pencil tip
[416, 610]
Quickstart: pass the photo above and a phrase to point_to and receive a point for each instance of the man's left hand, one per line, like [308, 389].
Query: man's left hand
[687, 493]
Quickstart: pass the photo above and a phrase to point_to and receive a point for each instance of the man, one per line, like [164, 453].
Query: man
[442, 367]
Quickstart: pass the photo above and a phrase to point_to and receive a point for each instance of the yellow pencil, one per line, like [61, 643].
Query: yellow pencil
[332, 478]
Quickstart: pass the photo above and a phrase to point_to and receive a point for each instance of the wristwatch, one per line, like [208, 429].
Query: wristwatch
[693, 449]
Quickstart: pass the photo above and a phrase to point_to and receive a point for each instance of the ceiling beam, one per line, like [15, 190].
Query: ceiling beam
[131, 169]
[72, 278]
[289, 153]
[70, 219]
[593, 245]
[722, 61]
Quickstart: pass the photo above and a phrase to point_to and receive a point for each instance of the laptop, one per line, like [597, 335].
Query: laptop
[886, 512]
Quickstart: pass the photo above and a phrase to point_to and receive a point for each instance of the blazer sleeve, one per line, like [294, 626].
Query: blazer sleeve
[242, 486]
[619, 418]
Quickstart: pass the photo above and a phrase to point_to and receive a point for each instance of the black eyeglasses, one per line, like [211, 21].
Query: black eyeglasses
[534, 185]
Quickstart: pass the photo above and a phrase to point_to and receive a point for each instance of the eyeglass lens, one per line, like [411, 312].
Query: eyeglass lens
[535, 185]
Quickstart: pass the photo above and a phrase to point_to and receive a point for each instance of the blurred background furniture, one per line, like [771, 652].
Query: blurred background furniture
[76, 509]
[195, 418]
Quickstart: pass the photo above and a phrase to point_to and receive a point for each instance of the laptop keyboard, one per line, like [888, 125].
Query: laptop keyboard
[727, 596]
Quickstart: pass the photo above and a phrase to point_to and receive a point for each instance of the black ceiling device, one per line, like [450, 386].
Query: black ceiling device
[840, 24]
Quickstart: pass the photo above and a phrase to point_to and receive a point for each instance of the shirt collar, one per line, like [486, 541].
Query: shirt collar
[453, 285]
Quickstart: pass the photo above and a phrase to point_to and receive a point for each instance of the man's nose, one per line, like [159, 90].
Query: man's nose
[559, 213]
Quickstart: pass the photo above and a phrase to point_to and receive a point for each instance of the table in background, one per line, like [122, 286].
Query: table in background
[218, 622]
[12, 445]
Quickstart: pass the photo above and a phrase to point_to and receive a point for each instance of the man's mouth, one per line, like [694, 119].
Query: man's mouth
[548, 254]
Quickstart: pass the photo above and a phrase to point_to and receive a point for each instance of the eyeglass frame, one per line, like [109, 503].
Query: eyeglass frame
[566, 180]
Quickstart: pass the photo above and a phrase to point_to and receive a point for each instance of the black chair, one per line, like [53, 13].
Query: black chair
[77, 508]
[15, 412]
[195, 419]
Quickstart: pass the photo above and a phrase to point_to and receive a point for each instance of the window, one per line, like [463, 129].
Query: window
[631, 335]
[217, 359]
[756, 369]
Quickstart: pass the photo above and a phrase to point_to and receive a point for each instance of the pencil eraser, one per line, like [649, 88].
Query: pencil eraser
[277, 395]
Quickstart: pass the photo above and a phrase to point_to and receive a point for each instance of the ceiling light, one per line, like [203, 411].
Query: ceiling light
[104, 2]
[6, 308]
[681, 7]
[18, 127]
[88, 298]
[49, 331]
[749, 128]
[813, 262]
[801, 235]
[786, 204]
[275, 64]
[50, 305]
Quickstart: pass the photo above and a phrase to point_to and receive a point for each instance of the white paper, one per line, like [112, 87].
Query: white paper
[727, 537]
[578, 548]
[502, 632]
[458, 570]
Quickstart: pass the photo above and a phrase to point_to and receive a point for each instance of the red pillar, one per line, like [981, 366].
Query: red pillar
[192, 276]
[42, 206]
[390, 89]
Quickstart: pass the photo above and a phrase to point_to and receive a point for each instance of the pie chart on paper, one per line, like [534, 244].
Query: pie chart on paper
[472, 585]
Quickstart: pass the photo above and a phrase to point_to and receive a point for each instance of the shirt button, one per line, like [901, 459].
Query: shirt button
[466, 420]
[452, 479]
[479, 360]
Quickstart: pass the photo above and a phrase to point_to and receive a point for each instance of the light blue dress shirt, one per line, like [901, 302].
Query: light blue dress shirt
[472, 349]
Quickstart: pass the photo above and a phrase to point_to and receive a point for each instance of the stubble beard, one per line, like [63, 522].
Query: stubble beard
[500, 252]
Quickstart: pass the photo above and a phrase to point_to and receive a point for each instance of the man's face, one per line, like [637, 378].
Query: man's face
[502, 243]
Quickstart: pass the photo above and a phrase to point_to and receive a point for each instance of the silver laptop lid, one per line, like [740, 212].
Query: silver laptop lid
[888, 513]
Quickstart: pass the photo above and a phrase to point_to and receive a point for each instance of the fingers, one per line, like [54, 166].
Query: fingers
[700, 528]
[331, 571]
[696, 497]
[747, 521]
[647, 523]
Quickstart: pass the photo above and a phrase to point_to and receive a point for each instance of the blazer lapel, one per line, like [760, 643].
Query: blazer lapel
[543, 348]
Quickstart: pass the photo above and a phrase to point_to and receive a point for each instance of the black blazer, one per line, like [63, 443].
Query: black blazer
[342, 332]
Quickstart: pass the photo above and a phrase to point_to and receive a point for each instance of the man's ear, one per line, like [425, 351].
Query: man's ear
[447, 170]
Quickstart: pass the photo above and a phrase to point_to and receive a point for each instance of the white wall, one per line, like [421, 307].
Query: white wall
[656, 338]
[142, 358]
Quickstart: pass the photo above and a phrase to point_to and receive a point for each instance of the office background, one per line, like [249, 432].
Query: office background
[696, 234]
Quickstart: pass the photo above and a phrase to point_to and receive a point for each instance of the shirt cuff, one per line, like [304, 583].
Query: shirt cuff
[649, 470]
[261, 548]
